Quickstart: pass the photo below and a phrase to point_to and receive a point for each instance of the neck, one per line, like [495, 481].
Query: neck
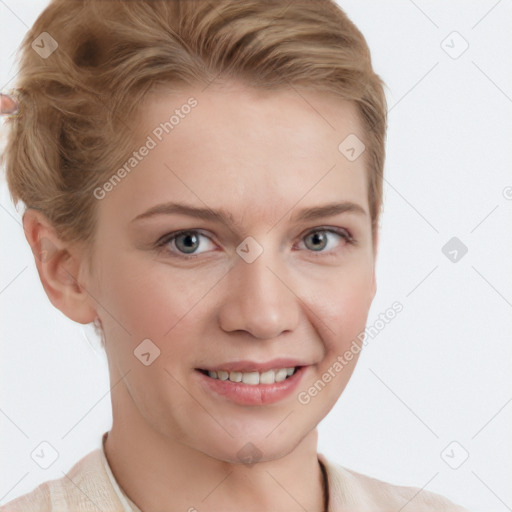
[158, 471]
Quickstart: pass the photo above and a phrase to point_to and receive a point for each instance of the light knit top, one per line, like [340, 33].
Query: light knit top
[90, 486]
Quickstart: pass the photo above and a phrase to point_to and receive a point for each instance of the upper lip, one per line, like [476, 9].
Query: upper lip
[253, 366]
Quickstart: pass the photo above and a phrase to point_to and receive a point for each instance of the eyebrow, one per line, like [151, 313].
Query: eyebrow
[225, 217]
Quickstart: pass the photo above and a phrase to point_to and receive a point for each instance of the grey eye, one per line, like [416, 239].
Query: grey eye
[318, 240]
[187, 242]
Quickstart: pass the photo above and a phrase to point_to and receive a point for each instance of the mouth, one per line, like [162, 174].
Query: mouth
[252, 378]
[250, 387]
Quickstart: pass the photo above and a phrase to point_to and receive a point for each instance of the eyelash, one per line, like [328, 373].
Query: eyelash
[166, 239]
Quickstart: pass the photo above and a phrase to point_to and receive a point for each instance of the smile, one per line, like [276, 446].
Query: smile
[252, 387]
[252, 378]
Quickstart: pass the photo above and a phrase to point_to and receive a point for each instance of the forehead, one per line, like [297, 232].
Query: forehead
[309, 121]
[243, 147]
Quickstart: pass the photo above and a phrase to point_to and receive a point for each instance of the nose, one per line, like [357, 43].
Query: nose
[260, 299]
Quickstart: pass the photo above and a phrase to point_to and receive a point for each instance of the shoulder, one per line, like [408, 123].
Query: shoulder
[356, 492]
[85, 488]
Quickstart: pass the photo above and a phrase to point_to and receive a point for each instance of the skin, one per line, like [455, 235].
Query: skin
[8, 104]
[262, 157]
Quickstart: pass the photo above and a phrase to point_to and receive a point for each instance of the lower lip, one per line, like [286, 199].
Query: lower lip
[247, 394]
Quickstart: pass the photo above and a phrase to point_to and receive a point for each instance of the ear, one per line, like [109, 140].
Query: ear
[58, 265]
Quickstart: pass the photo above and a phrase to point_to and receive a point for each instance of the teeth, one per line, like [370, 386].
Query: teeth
[281, 375]
[235, 376]
[253, 378]
[268, 377]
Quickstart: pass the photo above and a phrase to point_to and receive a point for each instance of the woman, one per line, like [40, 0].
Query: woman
[204, 183]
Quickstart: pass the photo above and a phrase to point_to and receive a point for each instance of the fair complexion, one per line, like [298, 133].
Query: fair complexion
[266, 160]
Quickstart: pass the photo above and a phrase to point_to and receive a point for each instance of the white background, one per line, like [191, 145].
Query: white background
[439, 372]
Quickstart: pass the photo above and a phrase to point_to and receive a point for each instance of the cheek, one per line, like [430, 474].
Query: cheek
[343, 308]
[146, 297]
[347, 322]
[343, 305]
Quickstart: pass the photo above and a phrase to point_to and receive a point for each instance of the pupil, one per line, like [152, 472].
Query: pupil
[318, 238]
[190, 244]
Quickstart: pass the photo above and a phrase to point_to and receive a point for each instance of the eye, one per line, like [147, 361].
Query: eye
[320, 239]
[185, 242]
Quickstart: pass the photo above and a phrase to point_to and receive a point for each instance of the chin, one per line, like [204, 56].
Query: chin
[251, 445]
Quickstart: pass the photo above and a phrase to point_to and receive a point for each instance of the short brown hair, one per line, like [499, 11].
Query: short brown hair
[78, 104]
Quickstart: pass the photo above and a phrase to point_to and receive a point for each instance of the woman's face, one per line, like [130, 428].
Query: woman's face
[262, 280]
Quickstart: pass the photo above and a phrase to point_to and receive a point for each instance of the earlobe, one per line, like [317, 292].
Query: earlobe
[375, 252]
[376, 243]
[58, 267]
